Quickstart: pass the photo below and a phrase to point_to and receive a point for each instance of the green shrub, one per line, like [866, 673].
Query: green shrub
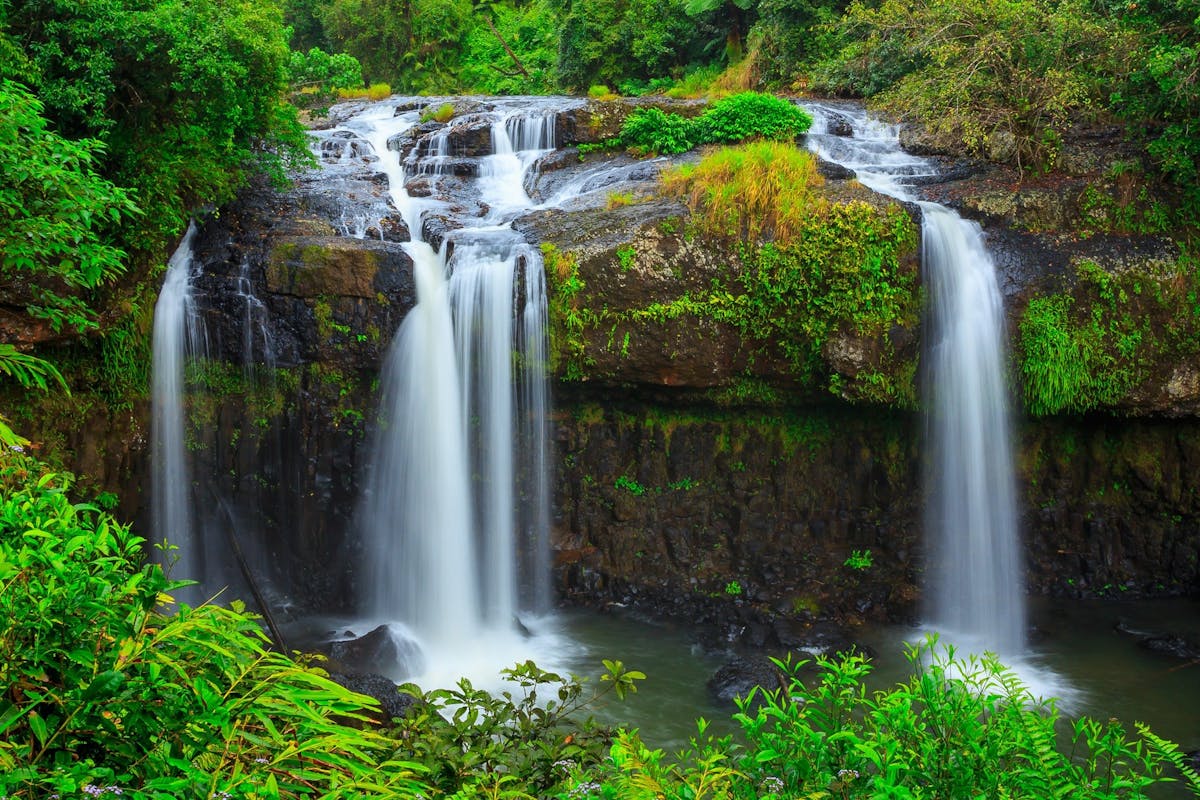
[525, 743]
[102, 690]
[751, 115]
[748, 115]
[653, 131]
[324, 70]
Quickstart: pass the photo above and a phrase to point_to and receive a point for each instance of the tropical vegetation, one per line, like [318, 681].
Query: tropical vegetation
[121, 119]
[109, 689]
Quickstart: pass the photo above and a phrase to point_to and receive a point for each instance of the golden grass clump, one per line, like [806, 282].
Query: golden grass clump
[374, 92]
[442, 113]
[757, 192]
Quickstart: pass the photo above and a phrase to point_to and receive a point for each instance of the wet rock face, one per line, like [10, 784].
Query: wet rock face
[746, 524]
[392, 704]
[1111, 506]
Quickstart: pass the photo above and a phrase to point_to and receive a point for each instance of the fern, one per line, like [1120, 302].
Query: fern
[1168, 751]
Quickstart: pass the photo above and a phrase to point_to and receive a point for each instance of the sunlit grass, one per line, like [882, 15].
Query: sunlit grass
[759, 191]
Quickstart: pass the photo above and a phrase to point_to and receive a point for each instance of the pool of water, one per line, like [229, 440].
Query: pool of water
[1076, 651]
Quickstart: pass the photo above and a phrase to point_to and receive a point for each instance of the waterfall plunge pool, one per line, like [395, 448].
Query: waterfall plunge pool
[1105, 671]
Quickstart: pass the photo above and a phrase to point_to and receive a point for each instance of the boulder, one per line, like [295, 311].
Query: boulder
[393, 704]
[383, 650]
[739, 677]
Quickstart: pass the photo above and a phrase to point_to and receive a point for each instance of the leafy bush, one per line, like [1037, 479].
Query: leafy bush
[651, 130]
[104, 692]
[748, 115]
[751, 115]
[57, 215]
[186, 97]
[477, 744]
[324, 70]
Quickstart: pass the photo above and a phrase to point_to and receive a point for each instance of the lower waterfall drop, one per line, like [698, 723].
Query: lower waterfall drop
[977, 591]
[457, 496]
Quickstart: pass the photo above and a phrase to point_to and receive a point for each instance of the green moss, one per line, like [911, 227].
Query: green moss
[802, 270]
[568, 319]
[1090, 346]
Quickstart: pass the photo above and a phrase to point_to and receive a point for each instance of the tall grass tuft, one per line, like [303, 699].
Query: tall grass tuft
[762, 191]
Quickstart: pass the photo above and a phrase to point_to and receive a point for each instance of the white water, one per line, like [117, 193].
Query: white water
[455, 515]
[176, 334]
[977, 588]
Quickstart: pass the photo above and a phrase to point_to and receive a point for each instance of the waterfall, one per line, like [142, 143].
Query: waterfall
[458, 490]
[977, 595]
[971, 516]
[177, 334]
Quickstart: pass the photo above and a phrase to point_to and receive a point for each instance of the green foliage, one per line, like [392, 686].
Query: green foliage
[527, 31]
[653, 131]
[733, 589]
[103, 690]
[1156, 88]
[28, 370]
[810, 267]
[413, 45]
[859, 560]
[523, 743]
[1004, 79]
[600, 92]
[1062, 368]
[568, 318]
[751, 115]
[326, 71]
[748, 115]
[630, 485]
[616, 41]
[1088, 348]
[185, 96]
[791, 34]
[958, 728]
[57, 215]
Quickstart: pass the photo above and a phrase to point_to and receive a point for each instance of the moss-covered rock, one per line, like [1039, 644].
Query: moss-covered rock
[663, 294]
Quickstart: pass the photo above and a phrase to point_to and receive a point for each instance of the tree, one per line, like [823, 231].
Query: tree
[185, 95]
[57, 216]
[734, 17]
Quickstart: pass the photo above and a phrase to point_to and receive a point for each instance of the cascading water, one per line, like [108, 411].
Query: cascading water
[455, 517]
[971, 520]
[177, 333]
